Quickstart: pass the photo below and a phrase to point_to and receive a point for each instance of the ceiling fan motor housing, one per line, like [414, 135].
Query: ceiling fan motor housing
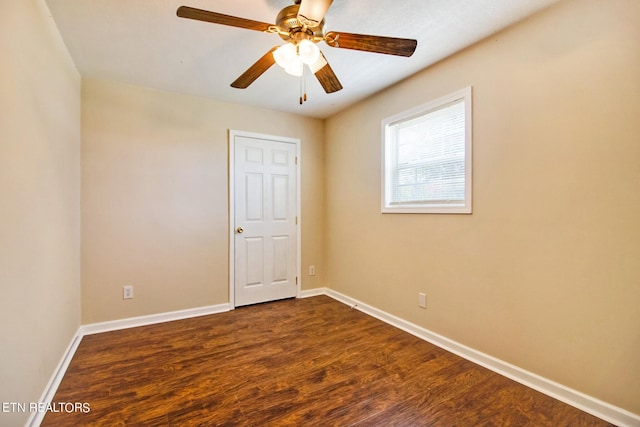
[291, 30]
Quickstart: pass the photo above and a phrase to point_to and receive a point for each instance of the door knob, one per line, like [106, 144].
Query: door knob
[240, 230]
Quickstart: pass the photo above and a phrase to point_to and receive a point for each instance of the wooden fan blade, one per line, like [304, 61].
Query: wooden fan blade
[219, 18]
[325, 75]
[311, 12]
[255, 71]
[377, 44]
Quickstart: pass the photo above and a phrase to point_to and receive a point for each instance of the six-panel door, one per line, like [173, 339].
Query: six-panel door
[265, 220]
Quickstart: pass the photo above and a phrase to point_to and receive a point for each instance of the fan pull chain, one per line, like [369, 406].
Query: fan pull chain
[303, 87]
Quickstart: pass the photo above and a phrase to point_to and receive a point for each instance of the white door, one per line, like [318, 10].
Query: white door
[265, 220]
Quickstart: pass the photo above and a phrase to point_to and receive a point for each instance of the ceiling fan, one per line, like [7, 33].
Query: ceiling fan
[302, 26]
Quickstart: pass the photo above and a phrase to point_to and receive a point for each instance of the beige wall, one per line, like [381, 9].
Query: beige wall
[39, 202]
[544, 274]
[155, 197]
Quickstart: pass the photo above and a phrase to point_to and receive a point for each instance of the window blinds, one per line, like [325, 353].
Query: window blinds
[428, 157]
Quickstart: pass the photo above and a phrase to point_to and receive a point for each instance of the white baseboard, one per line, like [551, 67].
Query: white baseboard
[35, 419]
[586, 403]
[132, 322]
[314, 292]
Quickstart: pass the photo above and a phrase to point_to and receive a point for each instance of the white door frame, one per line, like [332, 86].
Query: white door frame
[231, 179]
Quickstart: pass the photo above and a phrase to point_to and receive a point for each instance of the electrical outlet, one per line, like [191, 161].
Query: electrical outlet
[422, 300]
[312, 270]
[127, 292]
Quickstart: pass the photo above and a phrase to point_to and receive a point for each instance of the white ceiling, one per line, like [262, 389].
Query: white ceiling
[143, 42]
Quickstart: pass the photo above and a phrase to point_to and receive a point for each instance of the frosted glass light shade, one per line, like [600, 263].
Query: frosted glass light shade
[308, 51]
[295, 66]
[284, 55]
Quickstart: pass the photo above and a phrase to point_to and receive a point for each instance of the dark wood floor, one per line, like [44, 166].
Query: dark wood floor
[303, 362]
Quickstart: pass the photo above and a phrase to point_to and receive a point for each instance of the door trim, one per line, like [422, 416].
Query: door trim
[231, 232]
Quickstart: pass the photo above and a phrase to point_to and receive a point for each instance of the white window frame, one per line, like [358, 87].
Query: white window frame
[463, 207]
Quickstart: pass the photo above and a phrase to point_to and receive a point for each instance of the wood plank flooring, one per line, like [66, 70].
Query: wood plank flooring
[301, 362]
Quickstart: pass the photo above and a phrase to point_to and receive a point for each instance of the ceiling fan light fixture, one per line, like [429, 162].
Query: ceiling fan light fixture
[308, 51]
[284, 55]
[295, 66]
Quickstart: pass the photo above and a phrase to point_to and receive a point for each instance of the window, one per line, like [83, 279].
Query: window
[426, 157]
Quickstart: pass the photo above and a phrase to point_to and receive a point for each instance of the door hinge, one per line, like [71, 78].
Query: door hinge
[296, 220]
[296, 160]
[296, 280]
